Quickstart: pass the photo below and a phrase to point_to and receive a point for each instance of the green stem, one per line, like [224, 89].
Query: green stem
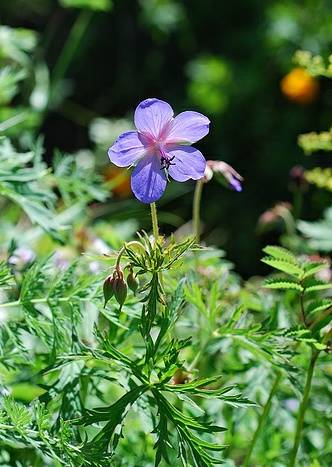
[262, 419]
[297, 203]
[197, 209]
[123, 249]
[39, 300]
[154, 219]
[72, 44]
[303, 408]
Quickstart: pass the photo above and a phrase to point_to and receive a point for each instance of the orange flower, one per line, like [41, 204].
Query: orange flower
[119, 181]
[300, 87]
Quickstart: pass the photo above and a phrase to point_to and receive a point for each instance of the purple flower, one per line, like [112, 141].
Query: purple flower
[160, 148]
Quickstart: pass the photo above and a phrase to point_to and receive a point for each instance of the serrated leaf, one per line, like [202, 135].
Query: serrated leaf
[311, 285]
[18, 413]
[319, 305]
[280, 253]
[314, 267]
[283, 284]
[284, 266]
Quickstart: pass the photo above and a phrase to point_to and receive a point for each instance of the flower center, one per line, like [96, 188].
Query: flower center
[165, 160]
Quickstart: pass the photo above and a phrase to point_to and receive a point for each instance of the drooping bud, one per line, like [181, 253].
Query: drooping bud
[120, 289]
[132, 281]
[108, 289]
[279, 211]
[297, 176]
[224, 173]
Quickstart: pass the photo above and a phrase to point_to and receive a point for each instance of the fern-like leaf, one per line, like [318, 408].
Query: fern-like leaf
[285, 266]
[283, 284]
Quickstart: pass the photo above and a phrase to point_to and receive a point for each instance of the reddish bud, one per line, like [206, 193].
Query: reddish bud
[120, 290]
[108, 289]
[132, 282]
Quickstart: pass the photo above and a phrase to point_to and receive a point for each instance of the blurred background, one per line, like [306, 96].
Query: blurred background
[86, 64]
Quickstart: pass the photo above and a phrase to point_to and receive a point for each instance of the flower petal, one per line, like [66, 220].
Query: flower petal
[188, 162]
[152, 117]
[127, 149]
[188, 127]
[148, 180]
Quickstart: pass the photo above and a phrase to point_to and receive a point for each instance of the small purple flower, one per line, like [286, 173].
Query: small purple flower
[160, 147]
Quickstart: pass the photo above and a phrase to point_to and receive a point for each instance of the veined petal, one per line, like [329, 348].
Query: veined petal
[187, 127]
[127, 149]
[148, 181]
[152, 117]
[187, 162]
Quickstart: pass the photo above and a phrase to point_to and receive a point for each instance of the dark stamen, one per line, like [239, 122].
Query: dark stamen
[166, 162]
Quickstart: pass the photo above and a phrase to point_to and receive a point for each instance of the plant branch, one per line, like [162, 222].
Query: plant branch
[262, 420]
[303, 407]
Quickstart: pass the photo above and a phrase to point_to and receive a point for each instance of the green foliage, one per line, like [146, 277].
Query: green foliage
[315, 64]
[322, 178]
[318, 233]
[313, 142]
[195, 359]
[23, 180]
[94, 5]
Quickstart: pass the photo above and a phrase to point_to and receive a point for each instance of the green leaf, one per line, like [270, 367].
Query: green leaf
[311, 285]
[95, 5]
[284, 266]
[318, 233]
[18, 413]
[314, 267]
[5, 274]
[280, 253]
[319, 305]
[114, 415]
[283, 284]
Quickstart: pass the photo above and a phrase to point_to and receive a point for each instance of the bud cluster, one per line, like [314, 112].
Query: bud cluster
[116, 285]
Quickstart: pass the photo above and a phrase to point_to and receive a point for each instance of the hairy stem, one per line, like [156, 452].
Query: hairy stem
[303, 408]
[197, 209]
[262, 420]
[154, 219]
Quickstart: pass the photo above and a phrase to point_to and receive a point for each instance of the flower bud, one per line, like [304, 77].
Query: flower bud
[108, 289]
[297, 176]
[132, 281]
[225, 174]
[120, 290]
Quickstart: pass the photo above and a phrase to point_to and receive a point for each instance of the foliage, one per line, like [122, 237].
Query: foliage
[193, 365]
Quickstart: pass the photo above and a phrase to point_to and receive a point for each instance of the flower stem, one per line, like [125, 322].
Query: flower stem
[72, 43]
[154, 219]
[303, 407]
[262, 419]
[197, 209]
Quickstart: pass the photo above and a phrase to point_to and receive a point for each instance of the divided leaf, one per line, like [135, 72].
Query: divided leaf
[281, 254]
[314, 267]
[283, 284]
[284, 265]
[319, 305]
[312, 285]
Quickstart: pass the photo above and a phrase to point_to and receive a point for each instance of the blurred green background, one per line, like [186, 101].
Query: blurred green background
[95, 60]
